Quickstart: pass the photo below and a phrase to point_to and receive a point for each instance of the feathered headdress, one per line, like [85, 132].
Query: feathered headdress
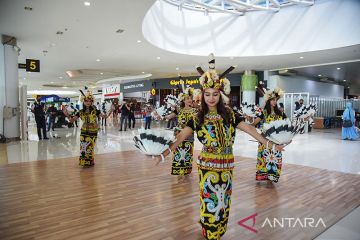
[87, 96]
[275, 93]
[211, 79]
[187, 91]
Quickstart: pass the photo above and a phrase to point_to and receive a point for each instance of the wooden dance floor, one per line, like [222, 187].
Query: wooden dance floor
[126, 196]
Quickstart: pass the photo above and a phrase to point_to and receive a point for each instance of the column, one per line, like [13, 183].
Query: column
[248, 83]
[9, 84]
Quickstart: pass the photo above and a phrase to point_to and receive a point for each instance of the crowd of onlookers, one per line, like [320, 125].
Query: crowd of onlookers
[49, 116]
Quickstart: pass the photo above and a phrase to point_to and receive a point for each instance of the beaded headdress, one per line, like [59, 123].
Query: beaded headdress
[87, 96]
[210, 79]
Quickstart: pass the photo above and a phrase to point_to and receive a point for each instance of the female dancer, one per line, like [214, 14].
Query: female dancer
[89, 129]
[183, 155]
[269, 162]
[215, 127]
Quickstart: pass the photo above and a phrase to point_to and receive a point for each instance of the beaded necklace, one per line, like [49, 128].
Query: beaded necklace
[213, 116]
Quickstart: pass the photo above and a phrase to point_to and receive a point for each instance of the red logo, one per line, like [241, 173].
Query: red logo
[241, 223]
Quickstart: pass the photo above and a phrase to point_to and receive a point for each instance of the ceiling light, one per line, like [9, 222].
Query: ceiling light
[177, 68]
[142, 72]
[101, 73]
[301, 57]
[344, 80]
[51, 82]
[139, 41]
[319, 75]
[158, 58]
[69, 73]
[348, 87]
[65, 87]
[98, 60]
[24, 78]
[87, 3]
[338, 68]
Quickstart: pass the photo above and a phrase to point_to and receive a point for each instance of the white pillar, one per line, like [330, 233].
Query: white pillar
[24, 111]
[2, 87]
[11, 93]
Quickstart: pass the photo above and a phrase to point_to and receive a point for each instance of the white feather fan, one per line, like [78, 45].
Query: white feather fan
[246, 109]
[305, 112]
[151, 142]
[280, 131]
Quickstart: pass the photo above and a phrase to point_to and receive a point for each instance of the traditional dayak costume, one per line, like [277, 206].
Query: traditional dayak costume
[216, 160]
[269, 161]
[183, 155]
[88, 133]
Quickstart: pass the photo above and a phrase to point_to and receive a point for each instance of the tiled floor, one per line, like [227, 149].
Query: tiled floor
[322, 149]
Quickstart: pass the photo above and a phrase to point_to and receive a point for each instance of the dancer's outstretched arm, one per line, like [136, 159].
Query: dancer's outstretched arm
[183, 134]
[249, 129]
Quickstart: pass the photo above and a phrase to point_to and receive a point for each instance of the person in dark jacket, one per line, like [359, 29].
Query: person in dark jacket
[132, 115]
[38, 109]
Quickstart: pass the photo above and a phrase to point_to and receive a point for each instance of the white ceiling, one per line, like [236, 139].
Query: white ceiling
[90, 34]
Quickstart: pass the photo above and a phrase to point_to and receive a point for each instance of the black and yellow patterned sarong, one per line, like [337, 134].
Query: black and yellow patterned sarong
[269, 164]
[215, 201]
[183, 158]
[87, 144]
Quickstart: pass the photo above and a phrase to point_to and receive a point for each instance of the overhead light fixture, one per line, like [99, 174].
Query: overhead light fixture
[301, 57]
[348, 87]
[344, 80]
[24, 78]
[98, 60]
[158, 58]
[101, 73]
[139, 41]
[87, 4]
[177, 68]
[143, 72]
[338, 68]
[319, 75]
[51, 82]
[69, 73]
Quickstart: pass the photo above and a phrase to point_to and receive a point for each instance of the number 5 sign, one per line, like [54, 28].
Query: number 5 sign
[32, 65]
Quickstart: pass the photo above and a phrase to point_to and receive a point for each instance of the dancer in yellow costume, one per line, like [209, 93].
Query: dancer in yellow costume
[269, 162]
[183, 155]
[89, 129]
[215, 126]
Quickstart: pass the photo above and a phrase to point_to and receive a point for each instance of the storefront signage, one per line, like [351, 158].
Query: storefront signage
[112, 91]
[137, 85]
[186, 82]
[153, 91]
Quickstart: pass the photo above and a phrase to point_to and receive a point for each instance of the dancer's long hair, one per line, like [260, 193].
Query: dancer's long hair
[276, 108]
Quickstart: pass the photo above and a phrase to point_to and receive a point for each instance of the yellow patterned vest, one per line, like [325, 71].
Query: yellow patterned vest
[89, 119]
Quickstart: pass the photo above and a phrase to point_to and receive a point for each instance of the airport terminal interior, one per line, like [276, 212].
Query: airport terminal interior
[180, 119]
